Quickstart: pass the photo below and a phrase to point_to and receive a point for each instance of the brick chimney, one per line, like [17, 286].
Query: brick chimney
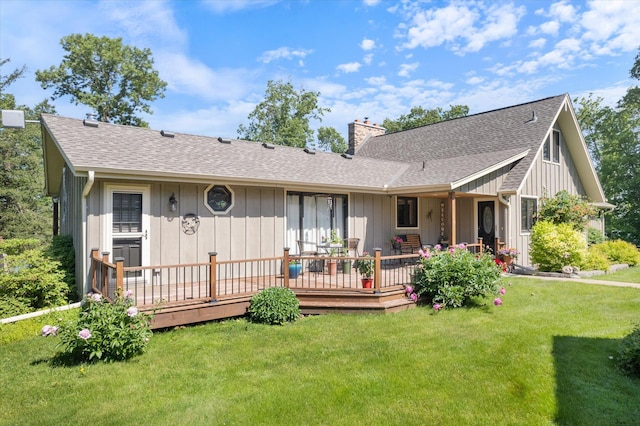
[361, 131]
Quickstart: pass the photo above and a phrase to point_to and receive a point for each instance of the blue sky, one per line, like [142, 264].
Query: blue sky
[367, 58]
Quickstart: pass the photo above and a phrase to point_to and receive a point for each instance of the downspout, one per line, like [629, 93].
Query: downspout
[85, 249]
[507, 205]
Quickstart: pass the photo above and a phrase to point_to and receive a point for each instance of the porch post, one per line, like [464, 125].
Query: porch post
[285, 267]
[452, 216]
[119, 275]
[377, 271]
[94, 272]
[212, 274]
[481, 245]
[105, 272]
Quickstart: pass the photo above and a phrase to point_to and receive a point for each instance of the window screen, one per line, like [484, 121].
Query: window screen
[127, 212]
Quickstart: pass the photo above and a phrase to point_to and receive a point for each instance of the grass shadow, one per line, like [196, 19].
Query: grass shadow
[588, 385]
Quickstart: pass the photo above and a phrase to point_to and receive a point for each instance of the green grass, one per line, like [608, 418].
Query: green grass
[541, 358]
[630, 275]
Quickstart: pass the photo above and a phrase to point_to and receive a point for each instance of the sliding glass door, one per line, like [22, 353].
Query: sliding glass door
[311, 217]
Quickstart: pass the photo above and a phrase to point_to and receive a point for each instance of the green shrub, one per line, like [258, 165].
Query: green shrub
[31, 280]
[595, 260]
[451, 278]
[566, 208]
[594, 236]
[619, 251]
[556, 245]
[61, 249]
[629, 353]
[107, 331]
[275, 305]
[15, 246]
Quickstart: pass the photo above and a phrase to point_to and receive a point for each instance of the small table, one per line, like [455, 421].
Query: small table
[325, 248]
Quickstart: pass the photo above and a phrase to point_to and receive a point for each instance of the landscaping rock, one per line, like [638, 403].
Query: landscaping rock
[618, 267]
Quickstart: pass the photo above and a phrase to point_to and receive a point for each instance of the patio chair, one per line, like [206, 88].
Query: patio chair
[411, 244]
[309, 248]
[352, 246]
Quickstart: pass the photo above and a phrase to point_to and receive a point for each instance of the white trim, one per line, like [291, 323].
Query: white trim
[225, 211]
[145, 236]
[520, 197]
[395, 214]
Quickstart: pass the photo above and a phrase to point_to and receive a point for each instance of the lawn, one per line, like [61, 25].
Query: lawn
[630, 275]
[543, 357]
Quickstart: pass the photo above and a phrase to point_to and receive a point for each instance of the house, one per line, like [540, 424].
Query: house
[158, 197]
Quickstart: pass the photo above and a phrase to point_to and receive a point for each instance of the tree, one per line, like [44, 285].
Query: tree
[329, 139]
[24, 210]
[282, 118]
[419, 116]
[116, 80]
[11, 77]
[613, 138]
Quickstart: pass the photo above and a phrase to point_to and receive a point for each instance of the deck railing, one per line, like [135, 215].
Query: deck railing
[224, 279]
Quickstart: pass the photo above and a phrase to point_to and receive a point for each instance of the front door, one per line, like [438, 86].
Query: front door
[127, 227]
[486, 223]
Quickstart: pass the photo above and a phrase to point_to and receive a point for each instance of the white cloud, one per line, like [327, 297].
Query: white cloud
[464, 27]
[283, 53]
[550, 27]
[538, 43]
[224, 6]
[563, 11]
[474, 80]
[376, 81]
[367, 44]
[612, 26]
[146, 20]
[349, 68]
[370, 2]
[406, 69]
[192, 77]
[367, 59]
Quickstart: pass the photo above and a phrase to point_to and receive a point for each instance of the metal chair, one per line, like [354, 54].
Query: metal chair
[304, 250]
[352, 245]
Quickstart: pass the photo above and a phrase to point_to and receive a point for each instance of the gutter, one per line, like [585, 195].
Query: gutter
[85, 193]
[507, 225]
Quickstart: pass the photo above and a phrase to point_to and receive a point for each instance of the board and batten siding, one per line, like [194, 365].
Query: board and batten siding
[544, 177]
[71, 219]
[488, 184]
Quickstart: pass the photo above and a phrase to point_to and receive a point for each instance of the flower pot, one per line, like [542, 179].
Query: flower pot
[346, 266]
[294, 270]
[508, 260]
[332, 267]
[367, 282]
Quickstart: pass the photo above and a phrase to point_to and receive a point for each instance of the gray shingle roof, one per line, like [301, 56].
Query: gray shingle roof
[461, 146]
[127, 150]
[451, 151]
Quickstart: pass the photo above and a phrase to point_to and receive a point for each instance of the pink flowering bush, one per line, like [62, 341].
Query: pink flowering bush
[107, 331]
[454, 277]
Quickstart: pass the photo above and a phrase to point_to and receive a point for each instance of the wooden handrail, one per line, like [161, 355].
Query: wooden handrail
[377, 269]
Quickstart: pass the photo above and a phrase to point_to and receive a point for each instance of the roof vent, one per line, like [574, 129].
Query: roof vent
[533, 118]
[224, 140]
[167, 134]
[89, 123]
[268, 145]
[347, 156]
[310, 151]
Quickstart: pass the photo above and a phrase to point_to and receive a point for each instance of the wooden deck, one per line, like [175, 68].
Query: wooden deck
[187, 294]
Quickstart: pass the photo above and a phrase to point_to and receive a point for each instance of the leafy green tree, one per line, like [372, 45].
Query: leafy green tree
[613, 138]
[118, 81]
[418, 116]
[330, 140]
[24, 210]
[5, 81]
[282, 118]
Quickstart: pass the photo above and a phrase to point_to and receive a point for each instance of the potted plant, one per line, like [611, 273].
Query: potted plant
[365, 269]
[346, 263]
[295, 268]
[396, 241]
[335, 246]
[509, 255]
